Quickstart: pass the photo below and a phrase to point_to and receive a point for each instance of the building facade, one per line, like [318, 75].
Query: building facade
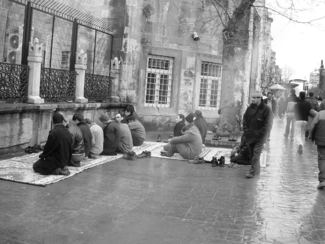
[164, 56]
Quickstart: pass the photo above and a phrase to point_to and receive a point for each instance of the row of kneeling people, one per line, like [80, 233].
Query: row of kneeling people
[69, 143]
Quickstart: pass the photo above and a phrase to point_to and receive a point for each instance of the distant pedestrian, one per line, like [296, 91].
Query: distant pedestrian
[57, 150]
[180, 123]
[302, 110]
[201, 124]
[97, 141]
[314, 105]
[317, 134]
[290, 114]
[256, 122]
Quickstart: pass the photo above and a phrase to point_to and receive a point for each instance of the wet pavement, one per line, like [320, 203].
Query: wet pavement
[161, 201]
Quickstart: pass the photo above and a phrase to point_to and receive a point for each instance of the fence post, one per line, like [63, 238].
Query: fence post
[34, 62]
[80, 68]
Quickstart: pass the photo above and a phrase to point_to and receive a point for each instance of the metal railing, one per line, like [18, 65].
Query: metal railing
[57, 85]
[97, 87]
[13, 82]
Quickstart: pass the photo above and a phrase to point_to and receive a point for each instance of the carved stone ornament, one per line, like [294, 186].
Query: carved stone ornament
[35, 48]
[81, 58]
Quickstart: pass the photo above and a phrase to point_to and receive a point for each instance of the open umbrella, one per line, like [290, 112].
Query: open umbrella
[276, 87]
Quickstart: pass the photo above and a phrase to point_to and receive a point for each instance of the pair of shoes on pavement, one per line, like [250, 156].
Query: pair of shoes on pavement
[197, 160]
[144, 154]
[62, 171]
[130, 156]
[218, 162]
[321, 185]
[250, 175]
[166, 154]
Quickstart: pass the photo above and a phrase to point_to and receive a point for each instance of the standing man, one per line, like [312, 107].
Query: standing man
[303, 109]
[317, 134]
[256, 124]
[57, 150]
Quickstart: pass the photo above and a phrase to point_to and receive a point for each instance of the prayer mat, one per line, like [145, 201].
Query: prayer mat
[20, 169]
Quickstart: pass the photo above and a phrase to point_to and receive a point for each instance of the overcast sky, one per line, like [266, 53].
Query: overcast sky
[299, 46]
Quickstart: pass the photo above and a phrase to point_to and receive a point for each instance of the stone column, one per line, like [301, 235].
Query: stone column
[34, 62]
[322, 77]
[115, 80]
[80, 67]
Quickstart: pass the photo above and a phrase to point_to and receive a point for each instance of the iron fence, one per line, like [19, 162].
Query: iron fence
[97, 87]
[13, 82]
[57, 85]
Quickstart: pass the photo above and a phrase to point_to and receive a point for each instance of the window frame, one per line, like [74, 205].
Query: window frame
[157, 75]
[211, 79]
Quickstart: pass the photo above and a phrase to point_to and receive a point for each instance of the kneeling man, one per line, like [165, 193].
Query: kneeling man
[57, 150]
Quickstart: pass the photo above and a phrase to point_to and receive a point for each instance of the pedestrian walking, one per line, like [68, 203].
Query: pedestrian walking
[290, 115]
[302, 110]
[317, 134]
[256, 123]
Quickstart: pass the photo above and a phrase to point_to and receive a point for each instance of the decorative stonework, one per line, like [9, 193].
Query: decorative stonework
[34, 63]
[35, 48]
[80, 67]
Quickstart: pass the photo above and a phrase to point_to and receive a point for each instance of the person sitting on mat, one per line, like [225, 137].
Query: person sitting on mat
[189, 145]
[57, 150]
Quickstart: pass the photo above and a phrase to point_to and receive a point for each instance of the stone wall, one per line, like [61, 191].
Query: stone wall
[23, 125]
[165, 28]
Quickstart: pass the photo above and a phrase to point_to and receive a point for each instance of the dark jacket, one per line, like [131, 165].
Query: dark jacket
[87, 137]
[58, 148]
[302, 110]
[257, 121]
[138, 132]
[77, 139]
[318, 128]
[111, 138]
[178, 128]
[202, 125]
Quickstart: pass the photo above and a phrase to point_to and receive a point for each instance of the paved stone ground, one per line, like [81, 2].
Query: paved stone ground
[158, 201]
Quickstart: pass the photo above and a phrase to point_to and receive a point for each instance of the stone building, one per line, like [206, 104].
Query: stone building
[164, 56]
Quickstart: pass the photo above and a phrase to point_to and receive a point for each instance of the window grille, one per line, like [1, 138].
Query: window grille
[158, 81]
[210, 85]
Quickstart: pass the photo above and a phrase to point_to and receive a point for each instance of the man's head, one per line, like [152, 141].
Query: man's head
[256, 97]
[302, 95]
[180, 117]
[78, 117]
[311, 94]
[118, 117]
[269, 95]
[57, 118]
[103, 118]
[129, 110]
[190, 118]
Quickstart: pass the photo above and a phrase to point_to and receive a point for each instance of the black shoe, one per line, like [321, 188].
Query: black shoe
[165, 154]
[144, 154]
[221, 161]
[249, 175]
[214, 162]
[61, 171]
[130, 156]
